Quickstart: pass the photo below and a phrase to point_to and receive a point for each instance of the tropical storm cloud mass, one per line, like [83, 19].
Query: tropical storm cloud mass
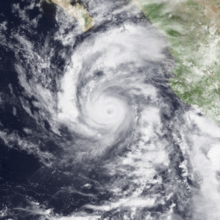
[90, 127]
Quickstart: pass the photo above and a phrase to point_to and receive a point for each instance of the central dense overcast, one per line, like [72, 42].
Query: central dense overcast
[93, 123]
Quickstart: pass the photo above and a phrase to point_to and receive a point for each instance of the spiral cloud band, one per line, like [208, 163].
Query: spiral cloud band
[98, 88]
[100, 134]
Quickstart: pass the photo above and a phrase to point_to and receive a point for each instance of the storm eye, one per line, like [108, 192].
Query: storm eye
[110, 111]
[99, 73]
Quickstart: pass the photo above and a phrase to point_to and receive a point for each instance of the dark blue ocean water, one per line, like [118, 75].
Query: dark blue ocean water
[29, 183]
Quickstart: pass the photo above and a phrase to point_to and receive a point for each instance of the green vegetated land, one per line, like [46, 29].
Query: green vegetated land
[192, 29]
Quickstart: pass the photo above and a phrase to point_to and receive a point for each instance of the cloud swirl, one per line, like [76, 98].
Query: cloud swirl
[108, 136]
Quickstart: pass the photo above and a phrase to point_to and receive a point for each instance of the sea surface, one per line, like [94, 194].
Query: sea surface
[89, 125]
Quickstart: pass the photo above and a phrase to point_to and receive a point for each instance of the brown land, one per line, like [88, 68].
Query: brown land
[78, 11]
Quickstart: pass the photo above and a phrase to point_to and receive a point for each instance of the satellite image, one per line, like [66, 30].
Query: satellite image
[109, 110]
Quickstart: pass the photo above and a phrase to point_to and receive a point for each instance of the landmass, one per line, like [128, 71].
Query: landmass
[192, 29]
[77, 11]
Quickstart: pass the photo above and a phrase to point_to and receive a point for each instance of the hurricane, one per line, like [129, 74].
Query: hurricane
[90, 127]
